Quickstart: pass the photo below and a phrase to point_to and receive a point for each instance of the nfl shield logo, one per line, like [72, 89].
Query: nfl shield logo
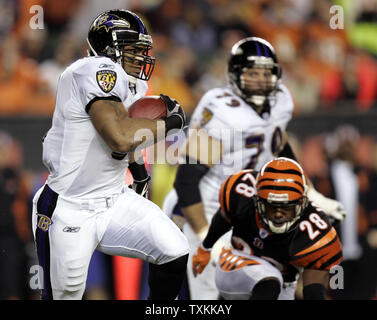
[106, 80]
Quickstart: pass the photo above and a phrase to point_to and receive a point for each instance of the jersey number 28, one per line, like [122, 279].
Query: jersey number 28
[316, 220]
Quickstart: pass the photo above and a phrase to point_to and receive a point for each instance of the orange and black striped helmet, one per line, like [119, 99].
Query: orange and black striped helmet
[281, 183]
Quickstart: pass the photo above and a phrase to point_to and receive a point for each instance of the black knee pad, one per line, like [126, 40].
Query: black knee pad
[179, 264]
[268, 289]
[165, 280]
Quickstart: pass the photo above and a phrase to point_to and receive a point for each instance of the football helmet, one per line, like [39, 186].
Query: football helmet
[281, 184]
[122, 36]
[256, 54]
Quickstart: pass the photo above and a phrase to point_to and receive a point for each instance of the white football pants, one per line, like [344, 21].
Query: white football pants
[67, 231]
[237, 274]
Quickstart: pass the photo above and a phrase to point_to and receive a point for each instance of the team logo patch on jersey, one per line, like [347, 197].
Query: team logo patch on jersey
[106, 80]
[44, 222]
[207, 115]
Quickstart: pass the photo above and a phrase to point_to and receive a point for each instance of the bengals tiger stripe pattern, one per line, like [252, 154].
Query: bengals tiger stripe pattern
[323, 254]
[230, 262]
[226, 196]
[281, 177]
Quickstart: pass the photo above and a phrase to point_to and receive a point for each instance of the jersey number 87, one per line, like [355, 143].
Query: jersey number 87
[244, 188]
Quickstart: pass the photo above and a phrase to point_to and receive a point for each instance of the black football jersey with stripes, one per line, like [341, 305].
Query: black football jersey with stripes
[313, 243]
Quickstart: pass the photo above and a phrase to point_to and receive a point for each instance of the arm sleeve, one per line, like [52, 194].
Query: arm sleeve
[218, 227]
[187, 183]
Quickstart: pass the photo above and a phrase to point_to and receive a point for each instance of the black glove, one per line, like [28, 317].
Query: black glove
[176, 118]
[141, 178]
[141, 187]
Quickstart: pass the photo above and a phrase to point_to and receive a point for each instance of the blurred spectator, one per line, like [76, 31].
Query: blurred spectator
[194, 31]
[366, 74]
[349, 176]
[65, 54]
[214, 77]
[322, 66]
[363, 30]
[231, 17]
[14, 221]
[366, 170]
[8, 16]
[339, 147]
[87, 11]
[21, 86]
[304, 86]
[169, 75]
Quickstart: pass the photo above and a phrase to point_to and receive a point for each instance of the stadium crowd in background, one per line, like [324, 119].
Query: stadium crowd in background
[322, 65]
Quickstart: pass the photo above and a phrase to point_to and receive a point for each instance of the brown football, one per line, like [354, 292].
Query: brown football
[151, 107]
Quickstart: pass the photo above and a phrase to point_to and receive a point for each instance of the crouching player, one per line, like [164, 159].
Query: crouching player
[277, 233]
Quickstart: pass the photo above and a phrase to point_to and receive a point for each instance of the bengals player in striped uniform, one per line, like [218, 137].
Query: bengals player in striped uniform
[277, 233]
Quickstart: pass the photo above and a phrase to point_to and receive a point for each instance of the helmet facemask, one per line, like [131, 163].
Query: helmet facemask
[285, 224]
[246, 59]
[134, 56]
[258, 82]
[281, 194]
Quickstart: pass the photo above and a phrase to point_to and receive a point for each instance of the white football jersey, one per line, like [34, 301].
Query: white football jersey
[78, 159]
[248, 140]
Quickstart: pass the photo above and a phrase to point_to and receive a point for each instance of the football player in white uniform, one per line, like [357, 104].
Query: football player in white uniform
[240, 126]
[84, 204]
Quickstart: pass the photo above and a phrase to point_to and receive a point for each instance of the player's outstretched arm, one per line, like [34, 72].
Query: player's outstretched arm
[201, 152]
[219, 226]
